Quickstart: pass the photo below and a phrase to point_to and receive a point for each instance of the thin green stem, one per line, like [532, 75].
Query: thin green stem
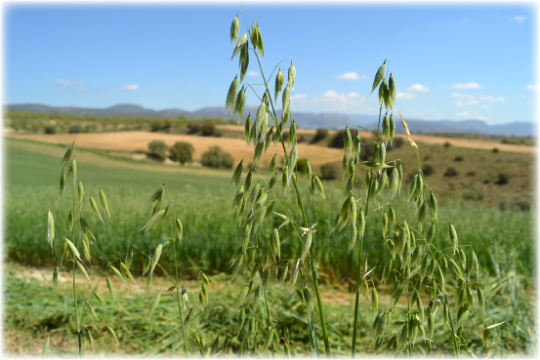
[73, 270]
[178, 299]
[355, 325]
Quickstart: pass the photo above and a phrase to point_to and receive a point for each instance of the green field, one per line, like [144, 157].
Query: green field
[502, 239]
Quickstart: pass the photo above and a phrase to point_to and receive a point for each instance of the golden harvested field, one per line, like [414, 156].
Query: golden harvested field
[138, 140]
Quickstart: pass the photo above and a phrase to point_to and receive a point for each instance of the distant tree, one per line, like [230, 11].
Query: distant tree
[451, 171]
[330, 171]
[50, 129]
[216, 157]
[208, 129]
[158, 149]
[337, 140]
[182, 152]
[320, 135]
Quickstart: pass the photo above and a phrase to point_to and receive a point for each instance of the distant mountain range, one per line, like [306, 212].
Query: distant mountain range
[303, 120]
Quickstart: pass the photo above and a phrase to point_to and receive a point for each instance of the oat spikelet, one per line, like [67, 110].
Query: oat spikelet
[413, 144]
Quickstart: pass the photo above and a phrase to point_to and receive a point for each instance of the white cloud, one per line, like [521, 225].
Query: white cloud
[471, 85]
[463, 114]
[531, 87]
[71, 84]
[351, 76]
[253, 73]
[155, 88]
[464, 99]
[133, 87]
[479, 117]
[405, 96]
[485, 106]
[331, 99]
[519, 19]
[418, 88]
[493, 99]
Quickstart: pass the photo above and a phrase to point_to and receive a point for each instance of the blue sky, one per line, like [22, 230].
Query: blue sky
[450, 62]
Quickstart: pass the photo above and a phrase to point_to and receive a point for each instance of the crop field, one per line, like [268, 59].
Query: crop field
[502, 237]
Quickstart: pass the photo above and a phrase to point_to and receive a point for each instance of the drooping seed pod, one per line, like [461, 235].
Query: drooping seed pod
[62, 183]
[235, 28]
[275, 243]
[412, 186]
[306, 245]
[278, 84]
[361, 223]
[386, 128]
[384, 224]
[269, 139]
[285, 103]
[367, 181]
[453, 237]
[421, 216]
[462, 258]
[156, 219]
[255, 35]
[379, 76]
[292, 134]
[244, 62]
[240, 44]
[73, 170]
[285, 180]
[320, 187]
[272, 181]
[240, 103]
[93, 203]
[386, 95]
[373, 190]
[248, 136]
[345, 163]
[248, 181]
[50, 228]
[231, 94]
[392, 89]
[104, 202]
[456, 269]
[374, 300]
[433, 206]
[392, 131]
[382, 156]
[481, 301]
[292, 76]
[347, 140]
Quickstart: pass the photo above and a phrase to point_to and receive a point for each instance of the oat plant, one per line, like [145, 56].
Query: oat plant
[81, 239]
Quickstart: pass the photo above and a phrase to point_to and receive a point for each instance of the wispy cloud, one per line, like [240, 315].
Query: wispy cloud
[493, 99]
[253, 73]
[531, 87]
[133, 87]
[464, 99]
[480, 117]
[351, 76]
[405, 95]
[519, 19]
[463, 114]
[418, 88]
[331, 99]
[71, 84]
[471, 85]
[466, 114]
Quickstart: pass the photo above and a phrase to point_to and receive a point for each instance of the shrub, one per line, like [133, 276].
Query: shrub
[208, 129]
[475, 193]
[451, 171]
[195, 128]
[160, 125]
[470, 173]
[320, 135]
[428, 169]
[216, 157]
[447, 145]
[495, 150]
[50, 129]
[158, 149]
[397, 143]
[182, 152]
[458, 158]
[330, 171]
[75, 129]
[503, 179]
[337, 140]
[300, 138]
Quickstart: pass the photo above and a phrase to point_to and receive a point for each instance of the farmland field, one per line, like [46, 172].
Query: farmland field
[502, 237]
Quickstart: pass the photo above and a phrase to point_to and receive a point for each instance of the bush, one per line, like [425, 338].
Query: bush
[50, 129]
[447, 145]
[158, 149]
[320, 135]
[397, 143]
[208, 129]
[195, 128]
[503, 179]
[451, 171]
[182, 152]
[160, 125]
[75, 129]
[337, 140]
[470, 173]
[495, 150]
[330, 171]
[475, 193]
[216, 157]
[428, 169]
[458, 158]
